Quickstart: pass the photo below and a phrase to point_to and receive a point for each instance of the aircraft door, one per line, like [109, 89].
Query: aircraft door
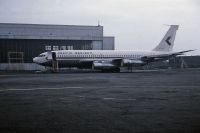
[53, 56]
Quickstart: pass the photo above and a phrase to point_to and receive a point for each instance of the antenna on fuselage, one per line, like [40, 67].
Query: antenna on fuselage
[99, 23]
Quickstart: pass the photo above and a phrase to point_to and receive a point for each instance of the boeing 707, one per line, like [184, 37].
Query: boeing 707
[112, 60]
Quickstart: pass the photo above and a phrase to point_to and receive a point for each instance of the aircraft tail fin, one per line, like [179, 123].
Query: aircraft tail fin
[167, 43]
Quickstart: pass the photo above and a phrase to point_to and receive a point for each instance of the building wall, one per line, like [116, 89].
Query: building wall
[97, 45]
[108, 43]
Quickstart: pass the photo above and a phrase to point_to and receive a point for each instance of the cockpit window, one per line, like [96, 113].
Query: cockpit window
[41, 55]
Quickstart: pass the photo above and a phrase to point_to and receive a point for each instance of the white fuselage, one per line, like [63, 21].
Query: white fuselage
[81, 58]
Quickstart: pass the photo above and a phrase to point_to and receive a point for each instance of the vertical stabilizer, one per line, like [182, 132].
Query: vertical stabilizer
[167, 43]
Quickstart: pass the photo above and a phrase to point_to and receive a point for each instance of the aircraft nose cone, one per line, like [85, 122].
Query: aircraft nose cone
[34, 60]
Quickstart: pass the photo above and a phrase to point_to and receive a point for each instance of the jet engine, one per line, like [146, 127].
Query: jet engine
[102, 65]
[131, 62]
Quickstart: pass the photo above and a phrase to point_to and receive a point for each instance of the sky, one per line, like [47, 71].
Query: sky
[135, 24]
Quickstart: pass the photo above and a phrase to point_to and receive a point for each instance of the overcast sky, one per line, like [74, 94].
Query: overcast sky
[136, 24]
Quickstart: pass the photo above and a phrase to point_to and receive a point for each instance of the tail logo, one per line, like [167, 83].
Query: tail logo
[168, 40]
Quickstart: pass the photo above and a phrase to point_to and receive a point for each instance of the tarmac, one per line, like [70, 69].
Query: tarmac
[166, 101]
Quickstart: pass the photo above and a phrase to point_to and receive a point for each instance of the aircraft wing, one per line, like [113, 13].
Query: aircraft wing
[161, 57]
[106, 63]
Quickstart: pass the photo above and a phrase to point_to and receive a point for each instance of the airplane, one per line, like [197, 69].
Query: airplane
[111, 60]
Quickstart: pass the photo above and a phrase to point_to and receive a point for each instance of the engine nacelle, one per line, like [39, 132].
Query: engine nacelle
[102, 65]
[131, 62]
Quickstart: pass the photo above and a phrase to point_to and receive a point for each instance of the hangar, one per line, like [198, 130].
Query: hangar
[19, 43]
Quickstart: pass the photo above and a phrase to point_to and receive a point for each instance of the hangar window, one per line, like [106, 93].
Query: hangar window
[55, 48]
[63, 47]
[70, 47]
[47, 47]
